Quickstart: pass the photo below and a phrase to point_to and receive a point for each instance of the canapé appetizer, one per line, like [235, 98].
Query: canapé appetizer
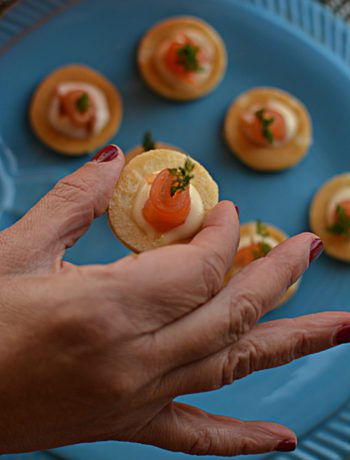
[268, 129]
[148, 143]
[182, 58]
[161, 197]
[330, 216]
[75, 110]
[257, 240]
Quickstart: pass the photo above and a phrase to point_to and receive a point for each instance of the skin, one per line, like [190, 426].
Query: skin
[100, 352]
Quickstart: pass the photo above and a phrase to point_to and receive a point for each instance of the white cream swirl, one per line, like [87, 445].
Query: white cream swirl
[289, 116]
[189, 228]
[206, 49]
[62, 123]
[248, 240]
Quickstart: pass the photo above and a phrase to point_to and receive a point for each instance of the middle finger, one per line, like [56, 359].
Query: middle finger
[235, 310]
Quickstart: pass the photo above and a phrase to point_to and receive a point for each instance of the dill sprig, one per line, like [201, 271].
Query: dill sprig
[264, 247]
[82, 103]
[261, 229]
[265, 124]
[182, 176]
[148, 142]
[342, 223]
[188, 57]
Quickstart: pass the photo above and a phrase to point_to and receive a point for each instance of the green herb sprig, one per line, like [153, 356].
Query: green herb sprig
[261, 229]
[264, 247]
[82, 103]
[182, 176]
[188, 57]
[148, 142]
[342, 225]
[265, 124]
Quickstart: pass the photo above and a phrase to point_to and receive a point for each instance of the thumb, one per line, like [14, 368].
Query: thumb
[37, 242]
[184, 428]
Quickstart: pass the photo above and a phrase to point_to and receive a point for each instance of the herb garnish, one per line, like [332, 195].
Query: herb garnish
[148, 142]
[182, 176]
[82, 103]
[265, 124]
[261, 229]
[264, 247]
[342, 224]
[187, 57]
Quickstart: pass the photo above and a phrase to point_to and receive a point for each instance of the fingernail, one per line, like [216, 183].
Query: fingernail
[108, 153]
[286, 446]
[316, 249]
[343, 335]
[237, 210]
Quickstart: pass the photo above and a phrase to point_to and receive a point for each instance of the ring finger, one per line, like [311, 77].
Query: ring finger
[268, 345]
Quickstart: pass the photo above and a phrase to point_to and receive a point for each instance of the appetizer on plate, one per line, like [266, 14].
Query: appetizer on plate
[257, 240]
[330, 216]
[148, 143]
[161, 197]
[268, 129]
[182, 58]
[75, 110]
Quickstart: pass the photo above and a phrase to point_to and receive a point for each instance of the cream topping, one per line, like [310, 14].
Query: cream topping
[342, 195]
[197, 78]
[248, 240]
[289, 117]
[63, 124]
[189, 228]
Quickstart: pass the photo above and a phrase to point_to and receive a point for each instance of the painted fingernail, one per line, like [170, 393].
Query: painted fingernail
[286, 446]
[316, 249]
[237, 210]
[343, 335]
[108, 153]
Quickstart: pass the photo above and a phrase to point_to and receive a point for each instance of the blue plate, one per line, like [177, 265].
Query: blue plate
[310, 396]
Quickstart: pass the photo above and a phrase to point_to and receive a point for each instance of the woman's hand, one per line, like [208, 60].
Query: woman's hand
[100, 352]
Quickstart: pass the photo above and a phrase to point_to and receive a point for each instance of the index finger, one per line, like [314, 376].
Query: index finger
[219, 237]
[175, 280]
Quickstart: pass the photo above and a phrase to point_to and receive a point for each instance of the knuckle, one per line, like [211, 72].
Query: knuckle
[68, 188]
[249, 306]
[300, 344]
[74, 198]
[213, 269]
[246, 360]
[239, 362]
[228, 367]
[202, 444]
[243, 312]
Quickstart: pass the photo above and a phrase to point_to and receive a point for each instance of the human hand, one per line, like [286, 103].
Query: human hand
[100, 352]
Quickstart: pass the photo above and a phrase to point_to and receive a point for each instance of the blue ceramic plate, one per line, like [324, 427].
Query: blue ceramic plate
[310, 396]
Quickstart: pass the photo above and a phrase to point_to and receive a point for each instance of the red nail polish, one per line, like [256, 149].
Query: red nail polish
[343, 335]
[237, 210]
[108, 153]
[286, 446]
[316, 249]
